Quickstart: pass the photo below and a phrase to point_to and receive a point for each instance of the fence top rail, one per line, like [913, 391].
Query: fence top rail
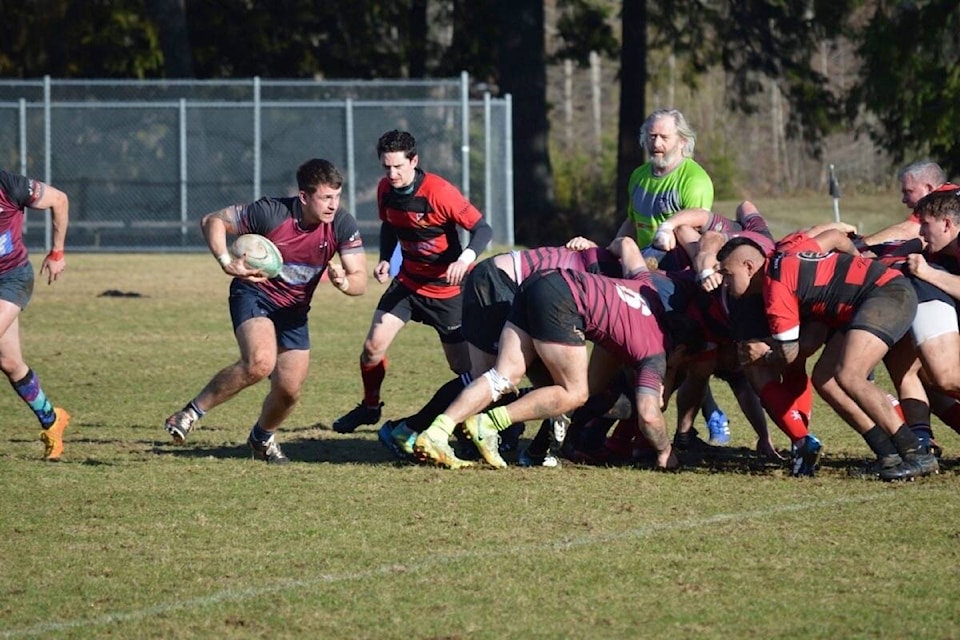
[266, 82]
[234, 104]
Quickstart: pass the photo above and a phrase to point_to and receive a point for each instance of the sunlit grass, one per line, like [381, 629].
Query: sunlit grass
[132, 537]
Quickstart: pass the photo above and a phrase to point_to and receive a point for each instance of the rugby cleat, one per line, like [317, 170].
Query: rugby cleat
[486, 438]
[435, 447]
[179, 425]
[360, 414]
[719, 427]
[268, 451]
[913, 465]
[52, 436]
[526, 459]
[805, 456]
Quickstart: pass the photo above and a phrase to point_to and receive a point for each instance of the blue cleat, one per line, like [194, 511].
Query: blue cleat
[385, 436]
[719, 427]
[805, 456]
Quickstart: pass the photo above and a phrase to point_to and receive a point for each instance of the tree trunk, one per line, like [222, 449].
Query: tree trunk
[171, 20]
[633, 83]
[419, 29]
[523, 73]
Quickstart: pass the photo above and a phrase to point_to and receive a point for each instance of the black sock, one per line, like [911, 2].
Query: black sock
[879, 442]
[540, 444]
[438, 403]
[905, 440]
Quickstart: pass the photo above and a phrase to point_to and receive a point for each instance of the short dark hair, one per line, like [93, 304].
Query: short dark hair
[316, 172]
[940, 204]
[397, 140]
[733, 244]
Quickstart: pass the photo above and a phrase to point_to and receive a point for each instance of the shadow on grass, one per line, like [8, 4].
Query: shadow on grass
[296, 445]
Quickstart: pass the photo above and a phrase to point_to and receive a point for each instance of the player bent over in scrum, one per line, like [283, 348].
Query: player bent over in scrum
[870, 307]
[554, 314]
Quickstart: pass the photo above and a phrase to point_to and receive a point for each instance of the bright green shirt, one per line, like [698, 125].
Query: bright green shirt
[653, 199]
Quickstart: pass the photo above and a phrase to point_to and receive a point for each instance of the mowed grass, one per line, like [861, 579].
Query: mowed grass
[131, 537]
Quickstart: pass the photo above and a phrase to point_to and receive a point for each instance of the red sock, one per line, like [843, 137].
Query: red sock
[786, 408]
[896, 406]
[798, 384]
[951, 416]
[372, 377]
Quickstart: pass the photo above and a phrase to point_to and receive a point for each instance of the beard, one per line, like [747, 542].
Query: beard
[666, 161]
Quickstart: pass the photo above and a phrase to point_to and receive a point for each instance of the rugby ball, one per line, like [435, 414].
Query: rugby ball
[258, 252]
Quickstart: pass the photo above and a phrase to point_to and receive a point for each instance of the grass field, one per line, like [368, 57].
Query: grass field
[131, 537]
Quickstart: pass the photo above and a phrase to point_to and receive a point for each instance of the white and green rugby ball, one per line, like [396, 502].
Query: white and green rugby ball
[258, 252]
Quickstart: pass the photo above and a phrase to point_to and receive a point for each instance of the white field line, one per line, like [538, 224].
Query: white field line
[235, 595]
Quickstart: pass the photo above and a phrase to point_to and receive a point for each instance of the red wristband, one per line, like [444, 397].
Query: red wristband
[55, 254]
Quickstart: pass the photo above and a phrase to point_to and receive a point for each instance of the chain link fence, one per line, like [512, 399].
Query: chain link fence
[143, 161]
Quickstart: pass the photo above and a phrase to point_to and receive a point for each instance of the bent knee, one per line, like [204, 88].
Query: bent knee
[259, 368]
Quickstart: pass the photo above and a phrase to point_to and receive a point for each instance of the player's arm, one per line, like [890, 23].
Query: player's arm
[215, 227]
[773, 353]
[59, 204]
[705, 261]
[653, 427]
[835, 239]
[627, 228]
[695, 218]
[350, 276]
[817, 229]
[579, 243]
[388, 243]
[631, 258]
[480, 236]
[943, 280]
[905, 230]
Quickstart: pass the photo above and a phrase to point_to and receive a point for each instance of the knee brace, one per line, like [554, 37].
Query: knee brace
[499, 384]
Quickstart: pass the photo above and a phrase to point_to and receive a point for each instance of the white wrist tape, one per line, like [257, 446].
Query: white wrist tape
[224, 259]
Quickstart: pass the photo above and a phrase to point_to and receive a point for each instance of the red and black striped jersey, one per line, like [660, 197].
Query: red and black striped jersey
[808, 285]
[425, 222]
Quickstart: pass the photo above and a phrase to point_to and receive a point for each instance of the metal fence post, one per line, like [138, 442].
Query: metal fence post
[351, 160]
[47, 162]
[465, 132]
[22, 108]
[257, 140]
[487, 168]
[183, 170]
[508, 152]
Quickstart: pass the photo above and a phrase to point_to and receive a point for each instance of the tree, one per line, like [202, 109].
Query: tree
[170, 18]
[92, 39]
[758, 39]
[910, 81]
[633, 86]
[523, 75]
